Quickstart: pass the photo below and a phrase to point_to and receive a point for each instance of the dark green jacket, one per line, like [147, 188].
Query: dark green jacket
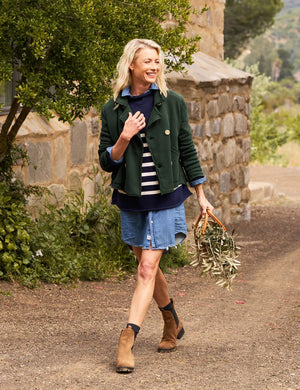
[169, 138]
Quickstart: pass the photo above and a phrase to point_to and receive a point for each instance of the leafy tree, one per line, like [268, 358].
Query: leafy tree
[245, 19]
[66, 51]
[265, 133]
[287, 67]
[263, 53]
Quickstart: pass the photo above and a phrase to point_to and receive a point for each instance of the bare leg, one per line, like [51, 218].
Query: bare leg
[160, 294]
[146, 277]
[173, 328]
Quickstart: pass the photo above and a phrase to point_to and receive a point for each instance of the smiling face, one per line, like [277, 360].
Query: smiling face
[145, 68]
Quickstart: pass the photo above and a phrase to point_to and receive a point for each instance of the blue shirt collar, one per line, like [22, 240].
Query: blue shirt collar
[126, 91]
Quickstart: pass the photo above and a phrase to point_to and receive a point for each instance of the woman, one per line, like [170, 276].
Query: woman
[147, 144]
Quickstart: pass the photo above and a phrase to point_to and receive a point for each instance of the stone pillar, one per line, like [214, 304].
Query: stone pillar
[217, 98]
[209, 26]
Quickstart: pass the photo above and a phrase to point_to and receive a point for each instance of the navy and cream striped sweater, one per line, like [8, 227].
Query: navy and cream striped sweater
[150, 185]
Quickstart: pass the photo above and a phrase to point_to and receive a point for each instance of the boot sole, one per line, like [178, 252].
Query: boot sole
[163, 350]
[124, 370]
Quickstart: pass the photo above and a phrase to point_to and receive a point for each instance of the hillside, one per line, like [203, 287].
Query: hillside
[290, 5]
[285, 33]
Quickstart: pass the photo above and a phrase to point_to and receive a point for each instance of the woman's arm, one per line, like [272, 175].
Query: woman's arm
[132, 126]
[190, 160]
[111, 147]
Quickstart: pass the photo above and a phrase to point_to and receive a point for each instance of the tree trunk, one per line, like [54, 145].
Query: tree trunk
[9, 131]
[3, 147]
[10, 117]
[18, 123]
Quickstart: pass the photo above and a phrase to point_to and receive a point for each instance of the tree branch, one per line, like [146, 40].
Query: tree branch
[18, 123]
[10, 117]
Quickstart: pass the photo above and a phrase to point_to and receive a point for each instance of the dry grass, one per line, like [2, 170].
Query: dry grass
[290, 154]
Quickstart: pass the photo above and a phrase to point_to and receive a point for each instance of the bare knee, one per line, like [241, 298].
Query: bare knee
[147, 270]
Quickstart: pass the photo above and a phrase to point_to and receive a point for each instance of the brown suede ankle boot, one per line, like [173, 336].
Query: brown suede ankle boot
[125, 359]
[172, 331]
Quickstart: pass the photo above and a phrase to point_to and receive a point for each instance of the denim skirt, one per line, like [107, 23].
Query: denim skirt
[160, 229]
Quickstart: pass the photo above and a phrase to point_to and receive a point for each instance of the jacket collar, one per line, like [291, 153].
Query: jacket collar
[126, 91]
[159, 98]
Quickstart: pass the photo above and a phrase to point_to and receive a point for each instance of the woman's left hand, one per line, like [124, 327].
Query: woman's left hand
[204, 205]
[203, 202]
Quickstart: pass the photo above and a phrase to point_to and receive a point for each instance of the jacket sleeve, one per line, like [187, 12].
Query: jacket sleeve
[188, 154]
[106, 141]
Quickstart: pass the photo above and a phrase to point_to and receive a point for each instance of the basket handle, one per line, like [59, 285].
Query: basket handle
[208, 214]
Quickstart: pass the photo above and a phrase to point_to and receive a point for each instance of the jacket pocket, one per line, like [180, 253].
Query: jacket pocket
[179, 176]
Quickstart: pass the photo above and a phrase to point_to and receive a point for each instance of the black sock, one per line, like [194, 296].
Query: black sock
[170, 307]
[134, 327]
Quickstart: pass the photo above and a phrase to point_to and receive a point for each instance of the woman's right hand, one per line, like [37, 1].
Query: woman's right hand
[133, 124]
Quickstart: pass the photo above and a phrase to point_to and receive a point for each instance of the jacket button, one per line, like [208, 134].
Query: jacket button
[167, 132]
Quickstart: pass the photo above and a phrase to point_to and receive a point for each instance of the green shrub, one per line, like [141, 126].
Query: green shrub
[294, 128]
[279, 94]
[289, 121]
[17, 189]
[81, 240]
[175, 257]
[16, 262]
[265, 134]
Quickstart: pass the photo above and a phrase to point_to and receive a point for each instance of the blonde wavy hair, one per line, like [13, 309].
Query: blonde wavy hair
[123, 75]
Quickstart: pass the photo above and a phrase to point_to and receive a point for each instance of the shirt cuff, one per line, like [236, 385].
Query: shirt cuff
[199, 180]
[115, 162]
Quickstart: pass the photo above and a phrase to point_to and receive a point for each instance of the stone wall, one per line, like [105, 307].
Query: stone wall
[218, 100]
[209, 26]
[62, 157]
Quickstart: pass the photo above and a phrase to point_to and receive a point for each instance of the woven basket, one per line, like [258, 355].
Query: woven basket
[216, 251]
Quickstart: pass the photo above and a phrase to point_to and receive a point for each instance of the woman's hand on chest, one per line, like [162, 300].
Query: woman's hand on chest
[133, 124]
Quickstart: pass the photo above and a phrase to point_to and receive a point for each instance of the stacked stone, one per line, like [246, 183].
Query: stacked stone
[61, 157]
[219, 109]
[209, 26]
[222, 137]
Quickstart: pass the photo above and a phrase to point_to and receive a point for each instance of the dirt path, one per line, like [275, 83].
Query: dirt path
[286, 181]
[65, 338]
